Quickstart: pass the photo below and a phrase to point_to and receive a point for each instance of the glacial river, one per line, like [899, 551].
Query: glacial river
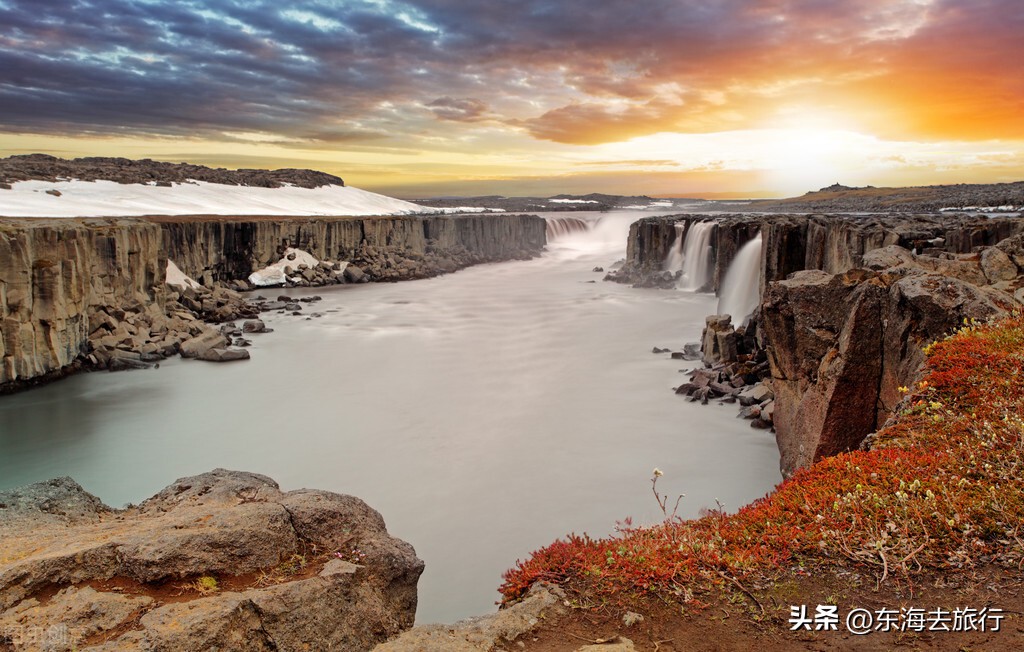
[484, 413]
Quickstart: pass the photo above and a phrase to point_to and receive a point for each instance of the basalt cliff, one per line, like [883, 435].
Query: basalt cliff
[847, 304]
[92, 292]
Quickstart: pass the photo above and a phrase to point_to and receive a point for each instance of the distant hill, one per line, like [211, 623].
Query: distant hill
[840, 198]
[43, 167]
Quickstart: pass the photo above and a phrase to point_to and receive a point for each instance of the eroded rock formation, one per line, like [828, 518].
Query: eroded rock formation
[223, 560]
[831, 243]
[841, 345]
[92, 291]
[847, 303]
[57, 276]
[212, 249]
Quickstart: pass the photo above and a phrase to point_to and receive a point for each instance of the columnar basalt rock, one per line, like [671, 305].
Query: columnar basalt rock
[219, 249]
[832, 243]
[92, 291]
[55, 278]
[847, 303]
[841, 345]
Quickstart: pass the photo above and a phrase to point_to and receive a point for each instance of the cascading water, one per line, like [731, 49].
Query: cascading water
[674, 259]
[697, 256]
[557, 227]
[741, 289]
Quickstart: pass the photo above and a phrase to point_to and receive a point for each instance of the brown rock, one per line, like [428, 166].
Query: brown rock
[200, 345]
[997, 265]
[840, 345]
[218, 524]
[224, 355]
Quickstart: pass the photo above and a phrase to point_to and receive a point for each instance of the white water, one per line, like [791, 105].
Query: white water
[556, 227]
[483, 413]
[697, 256]
[674, 259]
[741, 290]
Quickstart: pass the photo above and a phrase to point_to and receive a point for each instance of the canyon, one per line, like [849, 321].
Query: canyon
[64, 281]
[847, 304]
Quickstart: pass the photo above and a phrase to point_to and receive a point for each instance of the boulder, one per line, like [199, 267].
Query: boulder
[100, 573]
[254, 326]
[719, 340]
[997, 265]
[354, 275]
[887, 257]
[1014, 248]
[201, 344]
[224, 355]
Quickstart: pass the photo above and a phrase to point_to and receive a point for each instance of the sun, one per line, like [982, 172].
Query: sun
[797, 160]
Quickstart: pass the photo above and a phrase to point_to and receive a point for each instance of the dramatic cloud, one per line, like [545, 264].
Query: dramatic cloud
[337, 71]
[522, 79]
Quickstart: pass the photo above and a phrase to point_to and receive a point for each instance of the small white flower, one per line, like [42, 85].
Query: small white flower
[657, 472]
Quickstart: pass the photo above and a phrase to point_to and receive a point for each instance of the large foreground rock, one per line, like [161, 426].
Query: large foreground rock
[298, 570]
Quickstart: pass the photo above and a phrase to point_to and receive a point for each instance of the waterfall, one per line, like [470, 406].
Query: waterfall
[674, 259]
[697, 256]
[741, 290]
[559, 226]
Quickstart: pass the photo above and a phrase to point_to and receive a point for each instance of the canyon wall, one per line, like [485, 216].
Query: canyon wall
[62, 280]
[56, 274]
[831, 243]
[848, 302]
[212, 249]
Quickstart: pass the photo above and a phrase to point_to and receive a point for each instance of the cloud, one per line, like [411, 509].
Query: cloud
[571, 71]
[458, 110]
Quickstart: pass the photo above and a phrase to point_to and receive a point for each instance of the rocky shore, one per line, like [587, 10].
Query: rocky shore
[219, 561]
[93, 293]
[847, 306]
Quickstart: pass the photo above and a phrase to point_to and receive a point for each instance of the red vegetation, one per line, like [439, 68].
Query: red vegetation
[941, 489]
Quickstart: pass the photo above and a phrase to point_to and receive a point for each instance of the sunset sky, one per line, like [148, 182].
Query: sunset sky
[434, 97]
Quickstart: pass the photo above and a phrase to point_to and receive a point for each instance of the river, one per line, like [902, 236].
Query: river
[483, 413]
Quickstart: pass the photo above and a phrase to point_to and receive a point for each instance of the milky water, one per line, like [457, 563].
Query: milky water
[483, 413]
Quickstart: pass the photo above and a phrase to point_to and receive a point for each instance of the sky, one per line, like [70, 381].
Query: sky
[420, 98]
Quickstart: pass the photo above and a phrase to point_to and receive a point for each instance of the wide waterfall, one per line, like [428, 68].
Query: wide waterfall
[697, 256]
[674, 259]
[741, 289]
[559, 226]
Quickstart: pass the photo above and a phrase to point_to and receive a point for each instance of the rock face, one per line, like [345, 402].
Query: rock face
[840, 346]
[223, 560]
[214, 249]
[57, 275]
[831, 243]
[92, 291]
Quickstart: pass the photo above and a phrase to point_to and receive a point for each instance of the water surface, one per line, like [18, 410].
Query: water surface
[483, 413]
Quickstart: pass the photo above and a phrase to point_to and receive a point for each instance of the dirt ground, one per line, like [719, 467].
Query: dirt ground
[736, 622]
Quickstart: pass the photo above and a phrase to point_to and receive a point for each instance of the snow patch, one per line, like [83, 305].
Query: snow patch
[573, 201]
[275, 275]
[177, 278]
[470, 209]
[111, 199]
